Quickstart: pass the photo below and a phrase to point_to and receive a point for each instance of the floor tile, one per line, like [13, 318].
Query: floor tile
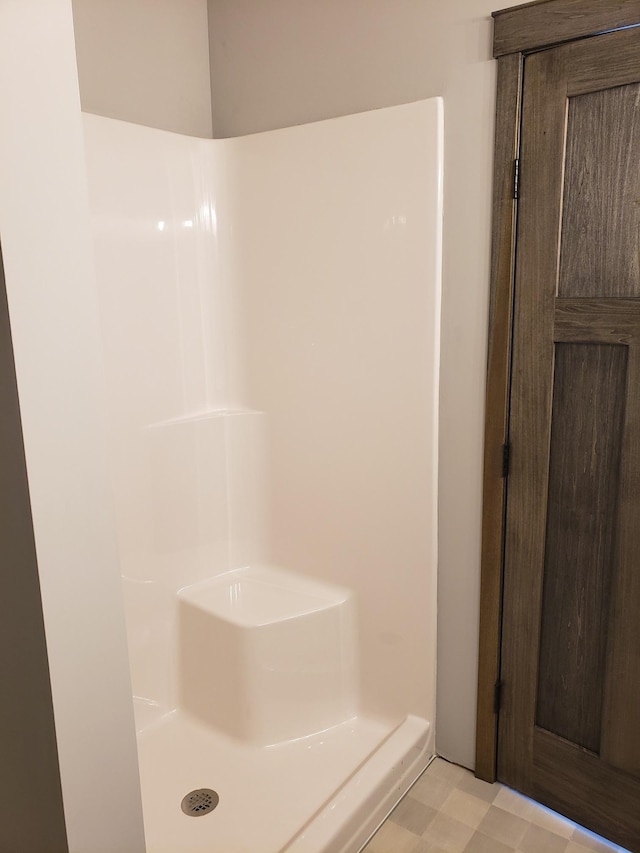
[477, 788]
[574, 847]
[553, 822]
[412, 815]
[425, 847]
[592, 841]
[480, 843]
[448, 810]
[392, 839]
[445, 770]
[431, 789]
[539, 840]
[446, 835]
[465, 808]
[503, 826]
[512, 801]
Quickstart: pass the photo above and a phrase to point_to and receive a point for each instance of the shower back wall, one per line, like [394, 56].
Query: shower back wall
[337, 269]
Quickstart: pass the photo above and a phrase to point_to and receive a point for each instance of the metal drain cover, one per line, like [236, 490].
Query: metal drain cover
[199, 802]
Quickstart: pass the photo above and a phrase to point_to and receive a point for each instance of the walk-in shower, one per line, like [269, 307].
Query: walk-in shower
[270, 318]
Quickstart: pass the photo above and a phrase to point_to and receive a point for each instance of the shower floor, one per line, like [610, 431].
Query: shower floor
[320, 794]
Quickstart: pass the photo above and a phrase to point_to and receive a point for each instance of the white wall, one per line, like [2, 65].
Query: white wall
[46, 242]
[145, 61]
[290, 61]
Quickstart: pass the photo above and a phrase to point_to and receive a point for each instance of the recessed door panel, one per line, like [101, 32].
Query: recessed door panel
[589, 390]
[600, 248]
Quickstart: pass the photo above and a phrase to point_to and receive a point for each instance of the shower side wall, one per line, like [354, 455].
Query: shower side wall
[336, 277]
[185, 454]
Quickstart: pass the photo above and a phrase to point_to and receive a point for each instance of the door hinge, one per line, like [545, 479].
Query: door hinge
[497, 696]
[506, 453]
[516, 178]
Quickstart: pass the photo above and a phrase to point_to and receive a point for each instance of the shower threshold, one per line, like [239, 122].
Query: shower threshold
[325, 793]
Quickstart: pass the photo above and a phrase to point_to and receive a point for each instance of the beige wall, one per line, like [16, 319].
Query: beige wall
[292, 61]
[145, 61]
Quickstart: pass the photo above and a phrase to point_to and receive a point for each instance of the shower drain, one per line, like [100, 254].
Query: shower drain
[199, 802]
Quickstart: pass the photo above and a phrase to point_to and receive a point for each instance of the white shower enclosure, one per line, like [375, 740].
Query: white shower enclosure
[269, 310]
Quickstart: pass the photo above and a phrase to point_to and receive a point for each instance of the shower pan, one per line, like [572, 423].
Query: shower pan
[270, 322]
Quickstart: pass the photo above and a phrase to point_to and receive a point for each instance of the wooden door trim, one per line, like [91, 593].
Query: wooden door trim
[507, 142]
[518, 30]
[550, 22]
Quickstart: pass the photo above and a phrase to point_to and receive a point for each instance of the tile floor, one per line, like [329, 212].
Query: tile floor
[448, 810]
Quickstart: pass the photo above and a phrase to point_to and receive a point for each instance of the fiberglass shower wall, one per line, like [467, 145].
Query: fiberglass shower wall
[270, 312]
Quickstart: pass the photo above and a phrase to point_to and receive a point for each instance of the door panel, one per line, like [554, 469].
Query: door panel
[600, 252]
[584, 466]
[621, 729]
[570, 720]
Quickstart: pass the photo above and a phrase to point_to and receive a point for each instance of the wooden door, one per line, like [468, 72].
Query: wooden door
[569, 724]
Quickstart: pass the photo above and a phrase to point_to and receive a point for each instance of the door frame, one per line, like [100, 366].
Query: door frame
[518, 31]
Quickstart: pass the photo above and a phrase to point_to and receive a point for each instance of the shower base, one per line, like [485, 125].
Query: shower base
[268, 725]
[325, 793]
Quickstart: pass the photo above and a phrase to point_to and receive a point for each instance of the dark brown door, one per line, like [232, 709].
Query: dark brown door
[569, 726]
